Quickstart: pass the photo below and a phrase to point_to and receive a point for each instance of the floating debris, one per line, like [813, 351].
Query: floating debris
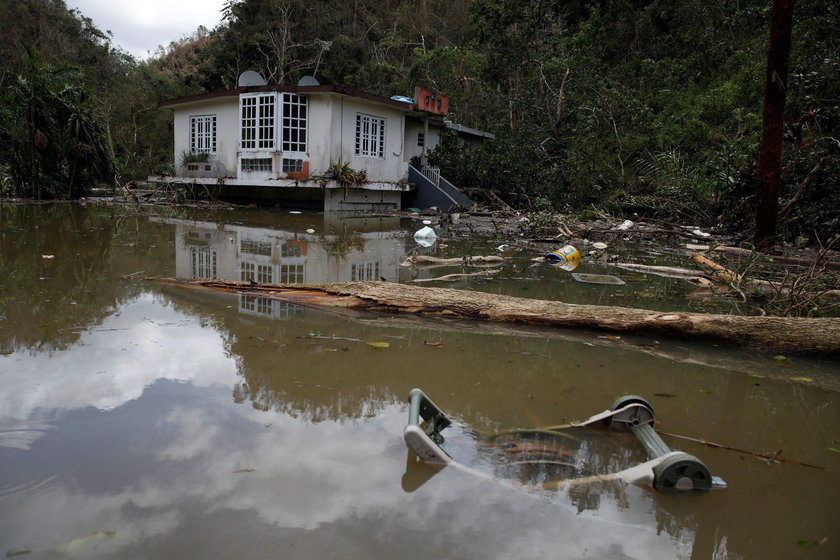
[598, 279]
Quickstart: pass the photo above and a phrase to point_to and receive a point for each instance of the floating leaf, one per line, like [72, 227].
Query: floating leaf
[18, 552]
[802, 379]
[836, 450]
[666, 395]
[780, 358]
[379, 344]
[803, 542]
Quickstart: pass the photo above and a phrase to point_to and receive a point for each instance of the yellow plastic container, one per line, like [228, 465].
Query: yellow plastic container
[567, 258]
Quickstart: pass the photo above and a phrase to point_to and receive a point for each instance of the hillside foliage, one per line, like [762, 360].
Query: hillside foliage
[650, 107]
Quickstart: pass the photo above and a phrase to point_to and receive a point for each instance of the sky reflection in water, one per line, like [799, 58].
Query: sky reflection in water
[139, 435]
[138, 421]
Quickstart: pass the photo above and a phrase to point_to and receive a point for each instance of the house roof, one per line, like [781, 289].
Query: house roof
[340, 90]
[467, 130]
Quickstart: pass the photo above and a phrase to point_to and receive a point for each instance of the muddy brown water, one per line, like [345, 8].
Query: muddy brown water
[140, 421]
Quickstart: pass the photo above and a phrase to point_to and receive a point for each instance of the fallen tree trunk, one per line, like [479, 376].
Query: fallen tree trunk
[778, 333]
[424, 261]
[773, 259]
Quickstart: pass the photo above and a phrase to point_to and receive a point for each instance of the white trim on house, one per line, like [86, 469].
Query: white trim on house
[273, 138]
[370, 136]
[203, 134]
[294, 124]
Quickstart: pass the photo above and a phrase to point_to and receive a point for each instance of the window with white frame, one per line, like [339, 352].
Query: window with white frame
[246, 271]
[292, 165]
[256, 164]
[255, 247]
[256, 115]
[370, 136]
[202, 262]
[364, 272]
[203, 134]
[292, 273]
[294, 122]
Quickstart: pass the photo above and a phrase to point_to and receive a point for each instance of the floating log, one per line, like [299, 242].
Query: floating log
[690, 275]
[425, 261]
[792, 334]
[775, 259]
[454, 277]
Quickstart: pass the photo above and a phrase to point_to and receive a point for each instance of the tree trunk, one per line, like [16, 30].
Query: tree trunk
[770, 152]
[820, 335]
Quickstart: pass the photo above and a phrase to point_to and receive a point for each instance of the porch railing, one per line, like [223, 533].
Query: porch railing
[432, 173]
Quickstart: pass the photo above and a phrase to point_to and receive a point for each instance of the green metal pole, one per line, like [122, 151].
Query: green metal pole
[651, 440]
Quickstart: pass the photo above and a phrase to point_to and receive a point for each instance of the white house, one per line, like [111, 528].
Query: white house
[280, 142]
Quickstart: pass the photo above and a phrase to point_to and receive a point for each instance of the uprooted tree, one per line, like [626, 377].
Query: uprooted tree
[809, 335]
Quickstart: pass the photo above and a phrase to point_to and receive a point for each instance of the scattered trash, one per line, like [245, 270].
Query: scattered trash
[598, 279]
[567, 258]
[427, 222]
[47, 256]
[294, 211]
[237, 471]
[699, 233]
[599, 245]
[379, 344]
[425, 236]
[666, 470]
[626, 224]
[310, 230]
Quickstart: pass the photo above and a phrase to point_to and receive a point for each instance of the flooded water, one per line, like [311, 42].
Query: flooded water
[144, 421]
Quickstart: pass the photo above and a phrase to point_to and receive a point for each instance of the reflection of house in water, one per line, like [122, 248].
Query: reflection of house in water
[277, 256]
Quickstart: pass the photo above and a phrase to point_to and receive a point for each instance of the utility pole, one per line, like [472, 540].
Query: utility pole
[773, 121]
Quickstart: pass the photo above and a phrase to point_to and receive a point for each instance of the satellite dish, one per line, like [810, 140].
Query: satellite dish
[309, 81]
[250, 78]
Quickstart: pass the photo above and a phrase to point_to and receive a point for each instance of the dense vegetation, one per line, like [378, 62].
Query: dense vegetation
[645, 106]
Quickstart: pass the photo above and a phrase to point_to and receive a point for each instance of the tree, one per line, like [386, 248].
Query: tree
[770, 155]
[54, 139]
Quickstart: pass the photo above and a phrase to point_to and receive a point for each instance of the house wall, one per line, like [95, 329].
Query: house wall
[226, 110]
[389, 168]
[412, 129]
[331, 137]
